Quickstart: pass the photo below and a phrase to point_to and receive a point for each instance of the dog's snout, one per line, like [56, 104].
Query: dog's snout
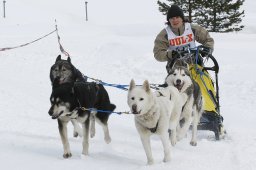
[134, 108]
[178, 81]
[50, 112]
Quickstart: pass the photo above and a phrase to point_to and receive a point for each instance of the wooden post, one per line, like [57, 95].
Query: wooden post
[4, 1]
[86, 10]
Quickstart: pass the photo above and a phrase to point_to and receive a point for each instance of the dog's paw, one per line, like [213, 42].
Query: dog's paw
[150, 162]
[223, 132]
[173, 142]
[85, 152]
[92, 135]
[167, 159]
[82, 156]
[67, 155]
[107, 139]
[193, 143]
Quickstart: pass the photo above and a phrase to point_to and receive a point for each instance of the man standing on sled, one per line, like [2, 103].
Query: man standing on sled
[179, 36]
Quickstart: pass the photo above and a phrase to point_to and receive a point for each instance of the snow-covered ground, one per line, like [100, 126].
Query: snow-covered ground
[115, 45]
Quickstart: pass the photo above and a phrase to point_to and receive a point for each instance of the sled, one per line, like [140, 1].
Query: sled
[211, 118]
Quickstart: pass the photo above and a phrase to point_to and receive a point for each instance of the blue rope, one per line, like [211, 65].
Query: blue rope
[103, 111]
[120, 86]
[123, 87]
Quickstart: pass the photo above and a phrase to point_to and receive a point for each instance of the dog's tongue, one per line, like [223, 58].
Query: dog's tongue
[178, 87]
[136, 112]
[61, 81]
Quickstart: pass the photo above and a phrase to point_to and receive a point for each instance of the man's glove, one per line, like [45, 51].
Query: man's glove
[171, 55]
[175, 55]
[171, 60]
[205, 51]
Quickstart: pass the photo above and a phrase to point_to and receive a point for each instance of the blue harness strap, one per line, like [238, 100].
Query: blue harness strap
[103, 111]
[123, 87]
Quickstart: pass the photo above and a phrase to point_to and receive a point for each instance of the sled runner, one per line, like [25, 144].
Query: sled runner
[211, 118]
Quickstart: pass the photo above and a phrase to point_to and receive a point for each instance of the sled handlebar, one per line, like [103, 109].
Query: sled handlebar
[216, 65]
[188, 52]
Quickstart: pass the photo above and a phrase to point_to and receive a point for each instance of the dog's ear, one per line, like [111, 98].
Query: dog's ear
[58, 58]
[186, 71]
[132, 85]
[146, 86]
[69, 59]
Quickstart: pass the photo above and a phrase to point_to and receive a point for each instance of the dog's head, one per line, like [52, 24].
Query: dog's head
[140, 98]
[63, 101]
[178, 77]
[62, 71]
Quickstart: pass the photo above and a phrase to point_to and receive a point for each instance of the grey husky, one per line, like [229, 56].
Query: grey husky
[180, 78]
[63, 71]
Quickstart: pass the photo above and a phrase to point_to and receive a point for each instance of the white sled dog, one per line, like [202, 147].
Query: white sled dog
[155, 113]
[179, 77]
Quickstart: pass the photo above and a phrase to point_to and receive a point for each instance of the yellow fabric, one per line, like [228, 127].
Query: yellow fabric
[204, 82]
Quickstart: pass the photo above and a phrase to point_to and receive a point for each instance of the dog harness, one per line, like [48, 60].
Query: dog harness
[153, 130]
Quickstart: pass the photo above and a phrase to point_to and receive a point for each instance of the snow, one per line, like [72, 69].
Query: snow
[115, 45]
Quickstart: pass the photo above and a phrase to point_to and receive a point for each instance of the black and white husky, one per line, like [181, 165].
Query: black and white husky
[180, 78]
[69, 102]
[155, 113]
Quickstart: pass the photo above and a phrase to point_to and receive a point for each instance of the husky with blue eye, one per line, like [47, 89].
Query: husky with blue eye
[179, 77]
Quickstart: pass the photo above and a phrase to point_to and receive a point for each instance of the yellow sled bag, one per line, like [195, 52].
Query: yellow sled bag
[206, 86]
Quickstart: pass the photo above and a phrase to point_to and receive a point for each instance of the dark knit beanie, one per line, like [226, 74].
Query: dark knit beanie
[175, 11]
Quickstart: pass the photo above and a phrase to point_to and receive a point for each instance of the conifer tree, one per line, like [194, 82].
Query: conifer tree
[214, 15]
[185, 5]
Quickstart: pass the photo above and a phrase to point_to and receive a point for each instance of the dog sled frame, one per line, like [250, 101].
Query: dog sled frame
[212, 121]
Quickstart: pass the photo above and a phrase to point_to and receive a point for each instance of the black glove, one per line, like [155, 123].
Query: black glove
[171, 61]
[175, 54]
[205, 51]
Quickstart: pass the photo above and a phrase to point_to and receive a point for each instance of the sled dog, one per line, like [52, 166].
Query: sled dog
[63, 71]
[180, 78]
[155, 113]
[69, 102]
